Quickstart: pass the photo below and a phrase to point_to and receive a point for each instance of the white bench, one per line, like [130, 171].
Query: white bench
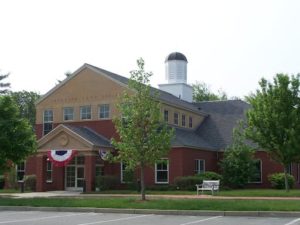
[208, 185]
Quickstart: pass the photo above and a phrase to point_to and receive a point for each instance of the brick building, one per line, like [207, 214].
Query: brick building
[77, 114]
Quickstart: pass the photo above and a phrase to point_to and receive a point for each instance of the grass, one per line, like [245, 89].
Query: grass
[9, 191]
[233, 193]
[163, 204]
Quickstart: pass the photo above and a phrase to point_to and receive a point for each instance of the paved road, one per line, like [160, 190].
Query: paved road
[70, 218]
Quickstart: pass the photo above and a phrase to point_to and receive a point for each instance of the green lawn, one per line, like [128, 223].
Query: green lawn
[234, 193]
[163, 204]
[9, 191]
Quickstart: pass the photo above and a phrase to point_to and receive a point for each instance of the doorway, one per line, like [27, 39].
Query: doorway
[74, 174]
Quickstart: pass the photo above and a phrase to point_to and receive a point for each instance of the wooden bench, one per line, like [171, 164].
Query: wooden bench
[208, 185]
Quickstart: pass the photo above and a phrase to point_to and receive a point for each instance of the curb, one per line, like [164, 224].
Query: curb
[154, 211]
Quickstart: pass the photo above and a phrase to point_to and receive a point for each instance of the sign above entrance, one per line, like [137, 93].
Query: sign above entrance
[61, 158]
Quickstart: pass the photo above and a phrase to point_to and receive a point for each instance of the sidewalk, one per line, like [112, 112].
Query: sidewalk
[74, 194]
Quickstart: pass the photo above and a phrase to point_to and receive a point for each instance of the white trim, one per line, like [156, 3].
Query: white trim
[198, 165]
[80, 113]
[49, 180]
[64, 113]
[155, 171]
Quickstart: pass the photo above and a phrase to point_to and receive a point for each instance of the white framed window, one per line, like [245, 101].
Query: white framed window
[104, 111]
[20, 168]
[85, 112]
[47, 121]
[162, 172]
[190, 122]
[176, 118]
[290, 169]
[123, 168]
[199, 166]
[49, 170]
[257, 174]
[68, 113]
[183, 120]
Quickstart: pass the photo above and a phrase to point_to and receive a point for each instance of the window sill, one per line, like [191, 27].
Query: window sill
[167, 182]
[49, 181]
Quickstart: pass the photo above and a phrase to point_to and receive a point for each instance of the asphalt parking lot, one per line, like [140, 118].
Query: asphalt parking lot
[77, 218]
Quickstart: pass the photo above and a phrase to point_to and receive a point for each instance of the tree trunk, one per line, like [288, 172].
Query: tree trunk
[143, 195]
[286, 179]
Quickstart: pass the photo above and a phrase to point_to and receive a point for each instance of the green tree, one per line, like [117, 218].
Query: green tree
[238, 163]
[202, 92]
[26, 102]
[274, 119]
[17, 139]
[4, 86]
[143, 136]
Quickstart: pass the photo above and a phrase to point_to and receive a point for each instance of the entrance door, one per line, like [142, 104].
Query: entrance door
[74, 174]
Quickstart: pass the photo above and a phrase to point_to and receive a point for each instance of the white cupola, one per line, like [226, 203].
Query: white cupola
[176, 77]
[176, 68]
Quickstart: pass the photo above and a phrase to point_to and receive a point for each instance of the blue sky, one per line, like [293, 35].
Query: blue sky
[229, 44]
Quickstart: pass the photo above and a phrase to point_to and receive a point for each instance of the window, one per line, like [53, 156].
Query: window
[99, 170]
[256, 176]
[190, 122]
[162, 171]
[48, 121]
[104, 111]
[166, 116]
[123, 168]
[20, 171]
[289, 169]
[176, 118]
[68, 113]
[49, 171]
[199, 166]
[183, 120]
[85, 112]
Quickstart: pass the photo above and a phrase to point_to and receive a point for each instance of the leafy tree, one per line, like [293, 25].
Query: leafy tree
[238, 163]
[67, 74]
[4, 86]
[202, 92]
[274, 119]
[144, 137]
[17, 139]
[26, 102]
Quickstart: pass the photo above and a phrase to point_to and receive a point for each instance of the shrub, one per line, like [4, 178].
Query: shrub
[1, 181]
[30, 182]
[106, 182]
[278, 181]
[209, 175]
[188, 182]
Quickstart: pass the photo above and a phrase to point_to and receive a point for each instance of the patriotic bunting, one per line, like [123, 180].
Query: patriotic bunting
[61, 158]
[103, 154]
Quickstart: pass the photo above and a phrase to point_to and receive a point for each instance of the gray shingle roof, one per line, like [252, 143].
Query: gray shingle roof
[90, 135]
[189, 138]
[223, 117]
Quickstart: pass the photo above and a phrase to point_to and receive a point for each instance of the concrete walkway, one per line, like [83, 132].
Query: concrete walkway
[74, 194]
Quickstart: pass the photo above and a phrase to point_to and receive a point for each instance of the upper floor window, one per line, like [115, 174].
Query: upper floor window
[183, 120]
[199, 166]
[85, 112]
[20, 171]
[190, 122]
[48, 121]
[166, 115]
[176, 116]
[104, 111]
[68, 113]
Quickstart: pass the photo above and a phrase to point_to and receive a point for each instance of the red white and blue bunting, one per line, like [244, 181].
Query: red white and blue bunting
[61, 158]
[103, 154]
